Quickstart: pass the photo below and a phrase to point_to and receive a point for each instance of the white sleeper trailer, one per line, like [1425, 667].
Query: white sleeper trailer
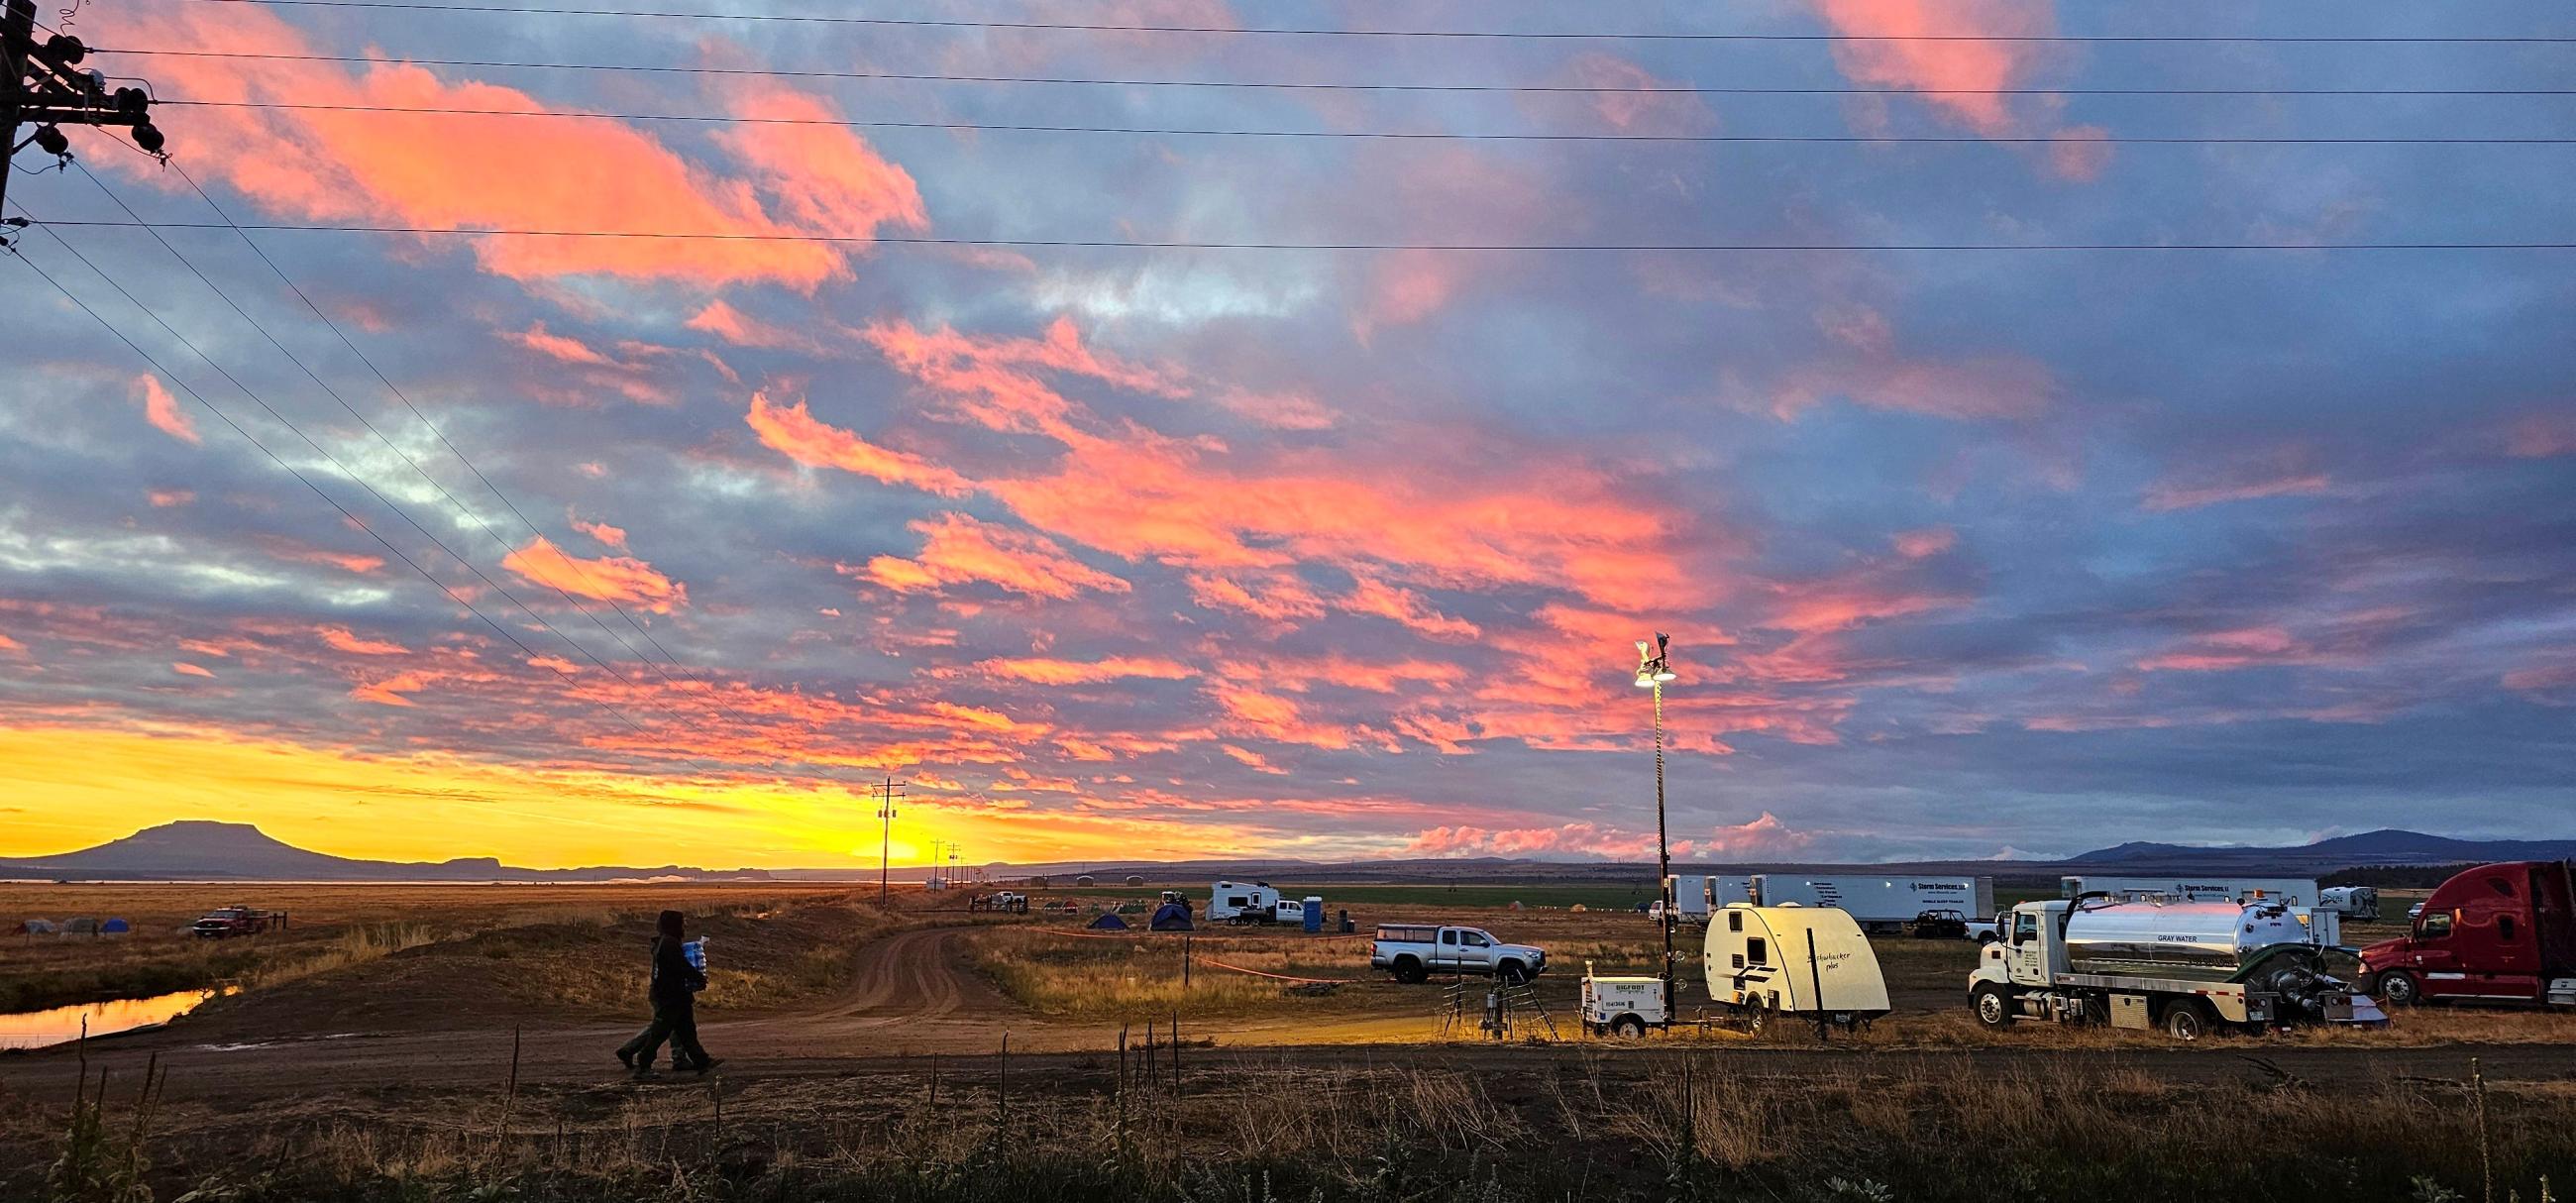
[1878, 903]
[2323, 924]
[1243, 902]
[1810, 961]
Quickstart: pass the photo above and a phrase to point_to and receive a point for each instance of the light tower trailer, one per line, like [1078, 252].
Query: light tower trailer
[1623, 1006]
[2190, 968]
[1807, 961]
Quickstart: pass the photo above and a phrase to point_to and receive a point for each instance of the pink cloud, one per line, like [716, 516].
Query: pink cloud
[2222, 650]
[2542, 436]
[607, 578]
[1929, 541]
[794, 432]
[960, 550]
[2285, 472]
[606, 535]
[570, 350]
[435, 170]
[392, 690]
[342, 639]
[162, 410]
[1990, 388]
[1372, 596]
[185, 669]
[1042, 671]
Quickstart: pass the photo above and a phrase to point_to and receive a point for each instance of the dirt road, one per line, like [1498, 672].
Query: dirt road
[912, 1000]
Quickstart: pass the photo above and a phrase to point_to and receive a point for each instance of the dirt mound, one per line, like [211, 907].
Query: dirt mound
[552, 972]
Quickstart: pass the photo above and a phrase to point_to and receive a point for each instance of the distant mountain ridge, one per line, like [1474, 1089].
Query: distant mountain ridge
[2386, 846]
[206, 850]
[194, 849]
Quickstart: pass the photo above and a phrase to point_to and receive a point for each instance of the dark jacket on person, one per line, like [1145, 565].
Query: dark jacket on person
[675, 981]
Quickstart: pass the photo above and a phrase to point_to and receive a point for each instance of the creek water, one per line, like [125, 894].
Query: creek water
[37, 1029]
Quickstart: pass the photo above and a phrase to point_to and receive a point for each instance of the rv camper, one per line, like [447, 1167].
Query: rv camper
[1809, 961]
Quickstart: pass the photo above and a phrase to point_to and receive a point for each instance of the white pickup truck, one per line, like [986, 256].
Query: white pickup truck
[1414, 951]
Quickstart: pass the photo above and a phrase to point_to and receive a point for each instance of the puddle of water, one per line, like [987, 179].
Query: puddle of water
[37, 1029]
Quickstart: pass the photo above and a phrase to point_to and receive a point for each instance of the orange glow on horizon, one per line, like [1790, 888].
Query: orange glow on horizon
[69, 788]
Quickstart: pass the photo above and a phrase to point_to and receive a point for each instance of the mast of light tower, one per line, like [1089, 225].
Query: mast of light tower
[1654, 667]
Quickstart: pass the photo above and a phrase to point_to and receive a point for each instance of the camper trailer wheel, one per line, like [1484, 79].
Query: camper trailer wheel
[1756, 1017]
[2187, 1020]
[1994, 1008]
[1409, 969]
[2397, 988]
[1628, 1027]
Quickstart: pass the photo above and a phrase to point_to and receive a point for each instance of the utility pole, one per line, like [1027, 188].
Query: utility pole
[886, 794]
[46, 85]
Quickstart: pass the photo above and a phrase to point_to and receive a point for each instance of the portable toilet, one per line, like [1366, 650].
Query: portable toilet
[1314, 914]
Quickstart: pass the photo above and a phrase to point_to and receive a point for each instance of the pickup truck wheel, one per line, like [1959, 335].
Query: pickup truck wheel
[2188, 1020]
[1993, 1007]
[1409, 969]
[1628, 1027]
[2398, 988]
[1512, 973]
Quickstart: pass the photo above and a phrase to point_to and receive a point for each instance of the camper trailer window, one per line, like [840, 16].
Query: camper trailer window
[1735, 921]
[2434, 927]
[1757, 950]
[1739, 961]
[1238, 900]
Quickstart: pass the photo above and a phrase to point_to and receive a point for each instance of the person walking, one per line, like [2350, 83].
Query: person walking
[673, 991]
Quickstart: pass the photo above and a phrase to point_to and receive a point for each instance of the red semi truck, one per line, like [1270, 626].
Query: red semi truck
[2496, 933]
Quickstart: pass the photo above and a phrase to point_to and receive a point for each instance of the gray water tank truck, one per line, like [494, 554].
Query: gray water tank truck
[2190, 968]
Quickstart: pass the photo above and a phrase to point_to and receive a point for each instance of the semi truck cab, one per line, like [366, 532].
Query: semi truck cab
[2502, 933]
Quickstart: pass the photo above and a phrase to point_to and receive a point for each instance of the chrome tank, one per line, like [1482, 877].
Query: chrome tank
[2204, 940]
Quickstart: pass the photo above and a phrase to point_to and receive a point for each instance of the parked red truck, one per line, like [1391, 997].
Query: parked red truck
[2496, 933]
[237, 921]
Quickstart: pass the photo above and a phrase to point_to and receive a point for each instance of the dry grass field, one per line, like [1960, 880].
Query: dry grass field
[574, 943]
[1340, 1087]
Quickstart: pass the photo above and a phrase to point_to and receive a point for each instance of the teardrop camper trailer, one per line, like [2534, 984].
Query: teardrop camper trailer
[1812, 961]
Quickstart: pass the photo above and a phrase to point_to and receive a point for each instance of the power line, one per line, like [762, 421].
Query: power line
[453, 503]
[1314, 31]
[1357, 247]
[182, 384]
[371, 491]
[1292, 85]
[450, 445]
[1399, 135]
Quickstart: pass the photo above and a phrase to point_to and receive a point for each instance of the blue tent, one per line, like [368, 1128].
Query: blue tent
[1110, 922]
[115, 927]
[1171, 916]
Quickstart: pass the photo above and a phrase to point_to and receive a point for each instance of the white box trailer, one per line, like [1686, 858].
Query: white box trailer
[1766, 961]
[1697, 894]
[2324, 924]
[1880, 902]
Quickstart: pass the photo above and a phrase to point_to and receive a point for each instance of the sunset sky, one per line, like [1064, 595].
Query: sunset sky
[1130, 553]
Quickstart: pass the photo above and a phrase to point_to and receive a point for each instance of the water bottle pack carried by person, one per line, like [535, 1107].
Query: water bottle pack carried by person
[696, 951]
